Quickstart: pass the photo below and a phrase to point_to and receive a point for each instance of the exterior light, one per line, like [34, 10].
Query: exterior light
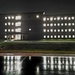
[18, 17]
[37, 16]
[29, 29]
[44, 19]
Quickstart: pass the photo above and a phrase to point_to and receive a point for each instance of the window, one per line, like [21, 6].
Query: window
[61, 24]
[18, 30]
[9, 17]
[12, 30]
[47, 18]
[54, 24]
[73, 24]
[44, 30]
[69, 36]
[62, 30]
[18, 17]
[72, 18]
[65, 24]
[69, 30]
[47, 30]
[51, 18]
[55, 36]
[58, 24]
[73, 30]
[54, 18]
[51, 36]
[5, 30]
[5, 36]
[69, 18]
[9, 23]
[65, 30]
[58, 18]
[73, 36]
[44, 25]
[69, 24]
[58, 36]
[47, 24]
[44, 19]
[58, 30]
[51, 24]
[5, 24]
[18, 24]
[8, 30]
[12, 36]
[51, 30]
[54, 30]
[65, 36]
[65, 18]
[61, 18]
[12, 17]
[47, 36]
[62, 36]
[5, 17]
[12, 23]
[44, 36]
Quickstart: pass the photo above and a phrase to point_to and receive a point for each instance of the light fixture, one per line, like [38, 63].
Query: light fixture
[18, 17]
[37, 16]
[29, 29]
[5, 17]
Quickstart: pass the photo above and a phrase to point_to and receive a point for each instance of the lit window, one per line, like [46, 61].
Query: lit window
[51, 24]
[54, 30]
[12, 30]
[18, 17]
[44, 19]
[47, 24]
[51, 18]
[73, 24]
[61, 18]
[73, 30]
[8, 30]
[54, 18]
[69, 36]
[47, 18]
[58, 24]
[5, 17]
[62, 36]
[65, 18]
[18, 24]
[65, 30]
[12, 36]
[65, 24]
[43, 12]
[8, 23]
[5, 36]
[12, 17]
[69, 24]
[51, 36]
[72, 18]
[47, 36]
[69, 30]
[29, 29]
[51, 30]
[54, 24]
[9, 17]
[58, 36]
[58, 18]
[37, 16]
[62, 30]
[73, 36]
[58, 30]
[5, 24]
[44, 25]
[65, 36]
[54, 36]
[69, 18]
[47, 30]
[5, 30]
[44, 36]
[61, 24]
[44, 30]
[18, 30]
[12, 23]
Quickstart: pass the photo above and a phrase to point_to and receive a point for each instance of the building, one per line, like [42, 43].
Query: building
[36, 26]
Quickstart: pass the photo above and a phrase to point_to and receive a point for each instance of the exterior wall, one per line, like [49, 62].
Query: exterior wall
[59, 27]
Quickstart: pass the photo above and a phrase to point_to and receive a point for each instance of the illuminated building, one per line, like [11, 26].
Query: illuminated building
[36, 26]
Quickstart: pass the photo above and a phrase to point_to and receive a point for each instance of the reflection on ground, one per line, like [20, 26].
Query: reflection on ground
[44, 65]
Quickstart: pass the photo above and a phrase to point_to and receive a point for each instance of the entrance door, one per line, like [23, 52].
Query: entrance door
[18, 37]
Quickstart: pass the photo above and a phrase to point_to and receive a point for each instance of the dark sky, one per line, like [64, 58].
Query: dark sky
[49, 6]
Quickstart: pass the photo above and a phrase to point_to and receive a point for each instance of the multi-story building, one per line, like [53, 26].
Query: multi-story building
[36, 26]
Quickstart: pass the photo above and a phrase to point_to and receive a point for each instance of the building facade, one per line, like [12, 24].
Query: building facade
[36, 26]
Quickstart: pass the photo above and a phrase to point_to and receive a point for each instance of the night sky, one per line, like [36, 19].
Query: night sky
[49, 6]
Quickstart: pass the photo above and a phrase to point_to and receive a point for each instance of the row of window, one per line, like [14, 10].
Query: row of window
[16, 24]
[58, 24]
[13, 17]
[59, 36]
[13, 30]
[58, 18]
[59, 30]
